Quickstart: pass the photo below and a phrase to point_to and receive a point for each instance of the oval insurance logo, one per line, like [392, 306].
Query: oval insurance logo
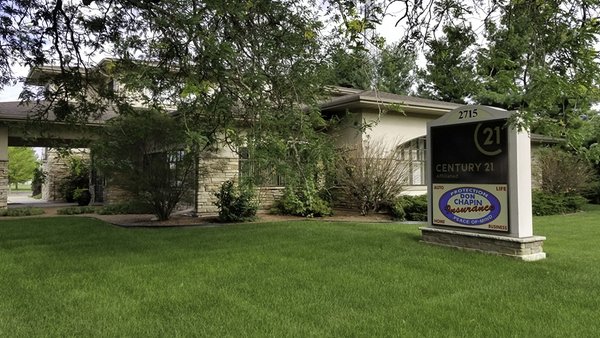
[469, 206]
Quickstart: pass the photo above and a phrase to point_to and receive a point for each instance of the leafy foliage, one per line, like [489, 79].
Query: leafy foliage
[80, 210]
[236, 204]
[131, 207]
[544, 203]
[39, 177]
[148, 154]
[77, 178]
[82, 196]
[449, 74]
[351, 68]
[541, 60]
[410, 208]
[372, 177]
[395, 69]
[17, 212]
[560, 172]
[302, 202]
[22, 163]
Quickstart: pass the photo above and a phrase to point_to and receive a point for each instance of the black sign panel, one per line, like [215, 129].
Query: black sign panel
[471, 152]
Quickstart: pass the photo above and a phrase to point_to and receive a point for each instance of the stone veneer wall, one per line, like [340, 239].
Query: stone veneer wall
[113, 194]
[268, 195]
[56, 169]
[3, 183]
[527, 248]
[213, 172]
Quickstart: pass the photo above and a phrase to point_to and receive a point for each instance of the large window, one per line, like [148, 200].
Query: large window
[413, 153]
[261, 175]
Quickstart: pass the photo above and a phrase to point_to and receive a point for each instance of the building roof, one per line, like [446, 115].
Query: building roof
[371, 99]
[16, 111]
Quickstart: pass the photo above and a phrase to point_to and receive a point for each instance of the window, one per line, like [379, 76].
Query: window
[262, 176]
[413, 153]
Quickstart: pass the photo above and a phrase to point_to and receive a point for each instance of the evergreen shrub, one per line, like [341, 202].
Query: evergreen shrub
[410, 208]
[544, 204]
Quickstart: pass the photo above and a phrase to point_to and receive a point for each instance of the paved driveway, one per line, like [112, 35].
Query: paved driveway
[21, 199]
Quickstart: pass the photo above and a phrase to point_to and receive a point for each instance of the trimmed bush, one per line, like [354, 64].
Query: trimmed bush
[544, 204]
[126, 208]
[410, 208]
[305, 203]
[235, 204]
[76, 210]
[21, 212]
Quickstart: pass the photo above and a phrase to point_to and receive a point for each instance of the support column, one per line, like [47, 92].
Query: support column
[3, 167]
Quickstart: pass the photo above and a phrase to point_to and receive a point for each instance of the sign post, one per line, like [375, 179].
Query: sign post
[479, 170]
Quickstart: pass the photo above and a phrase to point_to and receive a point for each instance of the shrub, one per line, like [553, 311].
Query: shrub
[544, 204]
[235, 204]
[126, 208]
[39, 177]
[82, 196]
[560, 172]
[21, 212]
[155, 160]
[302, 202]
[76, 210]
[78, 177]
[410, 208]
[372, 178]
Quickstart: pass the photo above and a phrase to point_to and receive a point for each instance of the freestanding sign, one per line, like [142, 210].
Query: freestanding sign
[479, 170]
[469, 174]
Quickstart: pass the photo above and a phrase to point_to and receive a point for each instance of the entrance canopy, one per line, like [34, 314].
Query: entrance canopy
[21, 125]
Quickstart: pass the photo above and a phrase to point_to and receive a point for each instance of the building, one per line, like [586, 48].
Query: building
[366, 116]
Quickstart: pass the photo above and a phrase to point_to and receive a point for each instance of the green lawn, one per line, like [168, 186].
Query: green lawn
[82, 277]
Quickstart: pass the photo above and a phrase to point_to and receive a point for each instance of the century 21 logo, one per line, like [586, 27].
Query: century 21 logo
[487, 140]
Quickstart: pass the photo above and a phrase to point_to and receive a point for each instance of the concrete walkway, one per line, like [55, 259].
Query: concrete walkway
[23, 199]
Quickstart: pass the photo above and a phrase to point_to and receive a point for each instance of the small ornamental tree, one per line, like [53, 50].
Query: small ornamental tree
[148, 154]
[21, 164]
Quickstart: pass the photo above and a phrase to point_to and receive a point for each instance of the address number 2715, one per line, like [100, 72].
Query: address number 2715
[467, 114]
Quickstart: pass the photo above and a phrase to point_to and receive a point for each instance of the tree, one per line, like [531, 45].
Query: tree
[148, 154]
[352, 68]
[449, 74]
[541, 59]
[21, 164]
[222, 66]
[396, 67]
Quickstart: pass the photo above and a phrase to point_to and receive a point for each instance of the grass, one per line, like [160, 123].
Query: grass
[82, 277]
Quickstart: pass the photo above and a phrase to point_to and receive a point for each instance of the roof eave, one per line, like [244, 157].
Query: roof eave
[350, 101]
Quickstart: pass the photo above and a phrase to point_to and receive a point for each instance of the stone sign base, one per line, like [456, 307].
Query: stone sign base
[527, 249]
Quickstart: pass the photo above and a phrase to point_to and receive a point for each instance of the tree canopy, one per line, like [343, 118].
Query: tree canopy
[21, 164]
[262, 65]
